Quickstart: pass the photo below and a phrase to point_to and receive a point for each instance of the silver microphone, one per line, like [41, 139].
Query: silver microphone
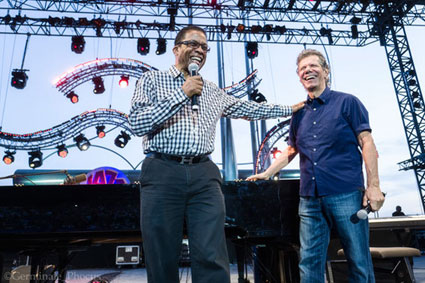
[193, 71]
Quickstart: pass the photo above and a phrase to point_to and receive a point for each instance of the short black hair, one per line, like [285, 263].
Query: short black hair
[181, 34]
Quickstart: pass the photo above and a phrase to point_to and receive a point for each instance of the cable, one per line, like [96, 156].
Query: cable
[8, 80]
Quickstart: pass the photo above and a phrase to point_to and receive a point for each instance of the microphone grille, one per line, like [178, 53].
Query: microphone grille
[362, 214]
[193, 67]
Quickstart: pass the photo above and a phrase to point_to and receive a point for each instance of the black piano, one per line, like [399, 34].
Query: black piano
[52, 223]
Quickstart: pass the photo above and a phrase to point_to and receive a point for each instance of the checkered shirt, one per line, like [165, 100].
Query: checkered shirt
[161, 112]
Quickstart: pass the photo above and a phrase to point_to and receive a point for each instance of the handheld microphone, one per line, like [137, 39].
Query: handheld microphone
[193, 71]
[75, 180]
[362, 213]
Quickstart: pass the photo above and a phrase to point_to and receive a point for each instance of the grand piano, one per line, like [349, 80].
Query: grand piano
[50, 224]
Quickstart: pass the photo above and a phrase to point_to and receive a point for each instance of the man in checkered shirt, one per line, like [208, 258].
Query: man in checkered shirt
[178, 180]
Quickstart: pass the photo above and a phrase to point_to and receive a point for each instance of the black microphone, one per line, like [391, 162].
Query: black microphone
[193, 71]
[362, 213]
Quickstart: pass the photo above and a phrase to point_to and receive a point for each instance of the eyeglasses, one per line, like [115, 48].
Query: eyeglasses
[194, 44]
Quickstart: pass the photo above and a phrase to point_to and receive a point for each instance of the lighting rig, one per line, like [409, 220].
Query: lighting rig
[95, 70]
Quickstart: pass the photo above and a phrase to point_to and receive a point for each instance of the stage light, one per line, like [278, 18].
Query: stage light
[99, 87]
[268, 30]
[257, 96]
[82, 142]
[122, 139]
[354, 32]
[412, 82]
[100, 131]
[255, 29]
[280, 29]
[240, 28]
[276, 153]
[222, 28]
[62, 151]
[161, 47]
[252, 49]
[36, 159]
[77, 44]
[72, 96]
[172, 12]
[143, 46]
[19, 78]
[124, 81]
[328, 33]
[415, 94]
[9, 157]
[230, 29]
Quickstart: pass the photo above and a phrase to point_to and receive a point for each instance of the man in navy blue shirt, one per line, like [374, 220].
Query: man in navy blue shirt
[333, 137]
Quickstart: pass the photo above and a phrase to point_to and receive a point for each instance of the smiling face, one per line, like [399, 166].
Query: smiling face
[185, 54]
[312, 75]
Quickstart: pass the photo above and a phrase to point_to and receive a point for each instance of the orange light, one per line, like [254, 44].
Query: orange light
[62, 151]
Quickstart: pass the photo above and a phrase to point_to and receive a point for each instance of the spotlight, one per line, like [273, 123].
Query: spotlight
[276, 152]
[280, 29]
[229, 31]
[100, 131]
[99, 87]
[161, 46]
[72, 96]
[9, 157]
[252, 49]
[77, 44]
[62, 151]
[82, 142]
[36, 159]
[143, 46]
[257, 96]
[124, 81]
[240, 28]
[19, 78]
[354, 32]
[415, 94]
[256, 29]
[122, 139]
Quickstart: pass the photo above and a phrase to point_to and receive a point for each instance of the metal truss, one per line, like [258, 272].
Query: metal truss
[50, 138]
[301, 11]
[241, 88]
[99, 68]
[272, 136]
[269, 33]
[408, 92]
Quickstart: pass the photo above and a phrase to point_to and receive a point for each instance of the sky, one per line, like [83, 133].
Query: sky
[361, 71]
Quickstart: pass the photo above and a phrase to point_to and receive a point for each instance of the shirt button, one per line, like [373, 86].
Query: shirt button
[314, 136]
[314, 109]
[313, 178]
[314, 123]
[315, 163]
[314, 149]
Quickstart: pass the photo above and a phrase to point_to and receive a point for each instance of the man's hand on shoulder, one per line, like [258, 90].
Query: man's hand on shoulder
[298, 106]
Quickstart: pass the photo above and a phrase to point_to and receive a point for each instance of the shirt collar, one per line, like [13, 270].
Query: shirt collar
[174, 72]
[322, 99]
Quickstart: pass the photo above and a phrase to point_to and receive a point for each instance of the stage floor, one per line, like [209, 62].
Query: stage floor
[131, 275]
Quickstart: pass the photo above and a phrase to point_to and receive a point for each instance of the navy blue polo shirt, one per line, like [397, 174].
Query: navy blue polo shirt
[325, 134]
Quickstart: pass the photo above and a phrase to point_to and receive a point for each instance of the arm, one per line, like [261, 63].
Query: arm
[373, 193]
[147, 113]
[287, 155]
[250, 110]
